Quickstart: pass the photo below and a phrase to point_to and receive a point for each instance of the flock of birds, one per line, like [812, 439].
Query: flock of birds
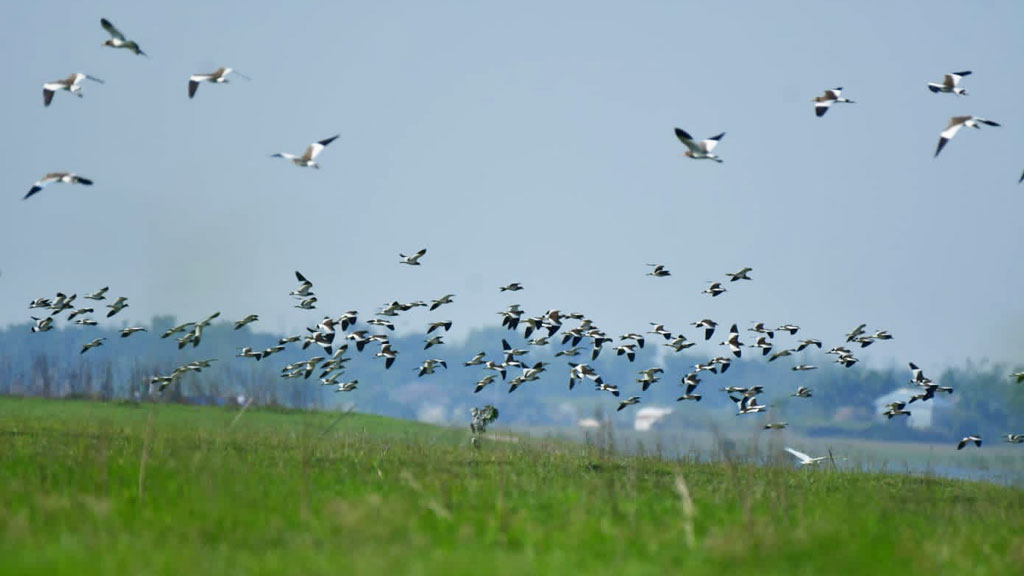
[576, 337]
[543, 330]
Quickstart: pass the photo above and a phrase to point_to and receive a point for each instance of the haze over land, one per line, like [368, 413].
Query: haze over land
[527, 144]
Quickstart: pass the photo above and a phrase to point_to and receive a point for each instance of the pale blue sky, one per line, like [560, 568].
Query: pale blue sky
[531, 142]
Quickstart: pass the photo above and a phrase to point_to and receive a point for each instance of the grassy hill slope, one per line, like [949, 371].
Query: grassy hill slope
[105, 488]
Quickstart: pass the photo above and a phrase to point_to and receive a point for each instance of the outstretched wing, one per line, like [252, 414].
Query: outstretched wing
[803, 457]
[685, 138]
[317, 147]
[709, 144]
[111, 29]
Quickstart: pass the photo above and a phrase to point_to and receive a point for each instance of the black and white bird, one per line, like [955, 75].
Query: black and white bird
[958, 122]
[72, 84]
[117, 39]
[62, 177]
[120, 304]
[413, 260]
[967, 440]
[699, 150]
[93, 344]
[741, 275]
[822, 103]
[513, 287]
[98, 295]
[628, 402]
[715, 289]
[950, 83]
[308, 158]
[218, 76]
[247, 320]
[659, 271]
[126, 332]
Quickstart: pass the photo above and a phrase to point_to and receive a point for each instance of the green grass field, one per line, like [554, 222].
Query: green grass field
[165, 489]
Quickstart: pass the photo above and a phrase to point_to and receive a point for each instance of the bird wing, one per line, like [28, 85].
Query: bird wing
[685, 138]
[709, 144]
[803, 457]
[111, 29]
[193, 84]
[47, 94]
[318, 147]
[987, 122]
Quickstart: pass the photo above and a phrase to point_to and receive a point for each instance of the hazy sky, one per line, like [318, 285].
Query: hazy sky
[531, 142]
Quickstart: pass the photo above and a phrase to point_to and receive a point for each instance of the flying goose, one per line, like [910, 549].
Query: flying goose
[659, 271]
[791, 328]
[780, 354]
[307, 304]
[433, 341]
[822, 103]
[99, 294]
[715, 289]
[43, 324]
[610, 388]
[126, 332]
[430, 365]
[86, 322]
[950, 83]
[307, 160]
[247, 320]
[446, 299]
[775, 426]
[93, 344]
[808, 342]
[629, 350]
[967, 440]
[347, 386]
[1019, 376]
[741, 275]
[699, 150]
[40, 303]
[246, 352]
[764, 344]
[708, 326]
[80, 312]
[513, 287]
[691, 382]
[958, 122]
[483, 382]
[382, 323]
[477, 360]
[802, 392]
[803, 368]
[218, 76]
[680, 343]
[760, 329]
[72, 84]
[804, 459]
[659, 329]
[305, 288]
[446, 324]
[413, 260]
[733, 342]
[63, 177]
[1014, 438]
[120, 304]
[723, 363]
[628, 402]
[117, 39]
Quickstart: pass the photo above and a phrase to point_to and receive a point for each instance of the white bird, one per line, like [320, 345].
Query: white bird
[117, 39]
[733, 342]
[43, 324]
[822, 103]
[804, 459]
[72, 84]
[628, 402]
[477, 360]
[803, 368]
[247, 320]
[99, 294]
[699, 150]
[93, 344]
[802, 392]
[347, 386]
[219, 76]
[1019, 376]
[63, 177]
[305, 288]
[483, 382]
[967, 440]
[950, 83]
[958, 122]
[126, 332]
[120, 304]
[413, 260]
[741, 275]
[307, 160]
[446, 299]
[1014, 438]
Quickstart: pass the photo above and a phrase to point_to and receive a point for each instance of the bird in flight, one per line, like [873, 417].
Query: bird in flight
[958, 122]
[699, 150]
[413, 260]
[804, 459]
[822, 103]
[219, 76]
[72, 84]
[117, 39]
[307, 160]
[64, 177]
[950, 83]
